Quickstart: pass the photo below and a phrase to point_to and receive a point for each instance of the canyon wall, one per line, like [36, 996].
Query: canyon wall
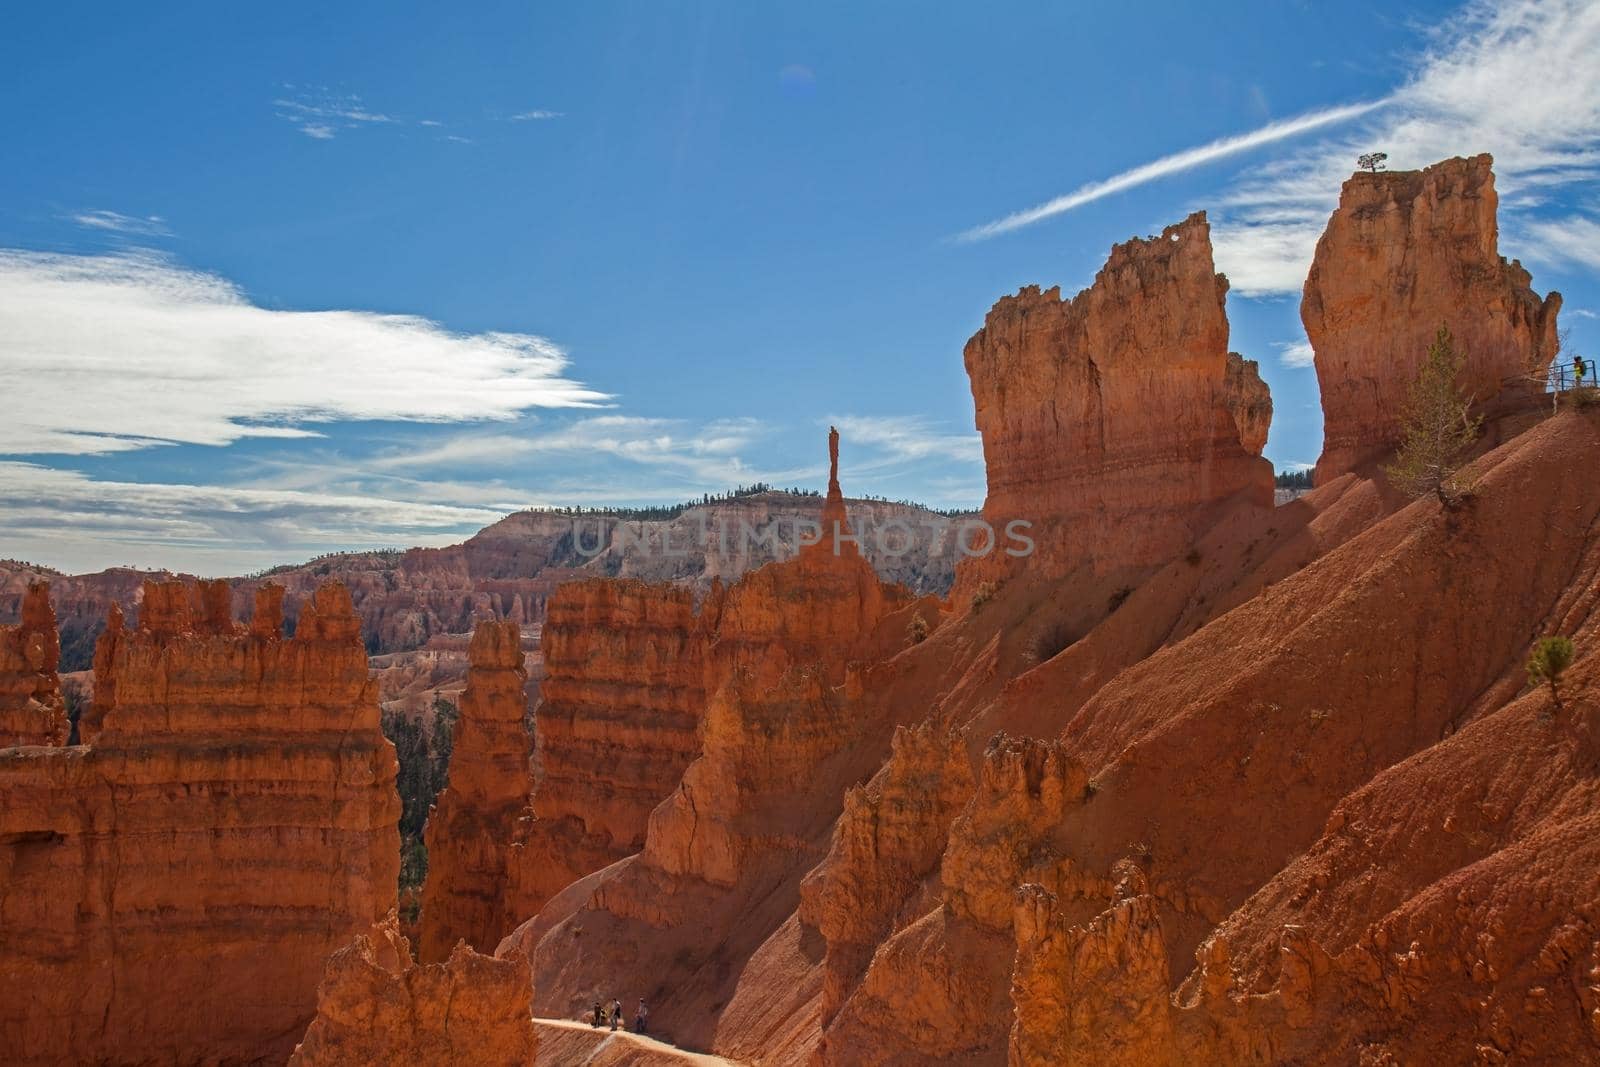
[469, 830]
[171, 890]
[31, 708]
[1405, 253]
[1115, 421]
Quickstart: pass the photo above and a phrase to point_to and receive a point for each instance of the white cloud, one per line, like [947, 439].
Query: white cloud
[705, 457]
[117, 222]
[1295, 353]
[69, 519]
[1582, 313]
[113, 353]
[1516, 78]
[1575, 239]
[904, 438]
[1169, 165]
[538, 114]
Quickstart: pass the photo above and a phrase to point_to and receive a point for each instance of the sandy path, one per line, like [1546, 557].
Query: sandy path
[565, 1043]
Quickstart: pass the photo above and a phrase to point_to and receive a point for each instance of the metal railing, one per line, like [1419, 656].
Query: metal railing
[1562, 376]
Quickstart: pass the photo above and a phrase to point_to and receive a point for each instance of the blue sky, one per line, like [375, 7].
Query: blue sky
[327, 276]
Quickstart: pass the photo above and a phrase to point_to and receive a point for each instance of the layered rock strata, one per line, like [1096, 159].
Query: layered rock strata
[171, 890]
[617, 724]
[1113, 422]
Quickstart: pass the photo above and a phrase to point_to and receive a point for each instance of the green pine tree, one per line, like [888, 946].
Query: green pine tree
[1439, 427]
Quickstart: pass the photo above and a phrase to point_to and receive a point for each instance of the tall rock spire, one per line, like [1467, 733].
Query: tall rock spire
[835, 538]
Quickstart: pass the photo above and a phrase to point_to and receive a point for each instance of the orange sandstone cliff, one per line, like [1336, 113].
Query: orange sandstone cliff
[170, 891]
[31, 707]
[1405, 253]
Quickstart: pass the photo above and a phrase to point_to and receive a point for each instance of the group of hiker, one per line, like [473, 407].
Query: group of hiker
[612, 1014]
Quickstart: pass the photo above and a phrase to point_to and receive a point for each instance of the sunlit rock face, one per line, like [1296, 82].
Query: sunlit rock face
[377, 1006]
[470, 828]
[1405, 253]
[1114, 421]
[173, 888]
[617, 724]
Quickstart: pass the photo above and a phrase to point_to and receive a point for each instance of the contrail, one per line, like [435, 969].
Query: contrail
[1173, 164]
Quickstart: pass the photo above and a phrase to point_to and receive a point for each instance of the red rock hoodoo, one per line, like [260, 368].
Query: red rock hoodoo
[1405, 253]
[376, 1007]
[469, 830]
[1114, 422]
[171, 890]
[31, 708]
[616, 726]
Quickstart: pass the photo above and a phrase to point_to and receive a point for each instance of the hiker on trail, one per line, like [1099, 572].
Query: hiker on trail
[599, 1015]
[616, 1013]
[1579, 368]
[641, 1017]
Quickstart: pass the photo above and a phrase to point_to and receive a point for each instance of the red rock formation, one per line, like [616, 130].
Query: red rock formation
[93, 717]
[171, 890]
[31, 708]
[713, 892]
[1113, 421]
[1249, 401]
[1405, 253]
[1092, 995]
[617, 723]
[470, 828]
[888, 841]
[376, 1007]
[935, 989]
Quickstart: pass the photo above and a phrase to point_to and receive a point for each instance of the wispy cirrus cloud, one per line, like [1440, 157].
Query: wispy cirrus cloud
[323, 114]
[1574, 239]
[1167, 166]
[705, 455]
[906, 438]
[1516, 78]
[320, 114]
[117, 222]
[115, 353]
